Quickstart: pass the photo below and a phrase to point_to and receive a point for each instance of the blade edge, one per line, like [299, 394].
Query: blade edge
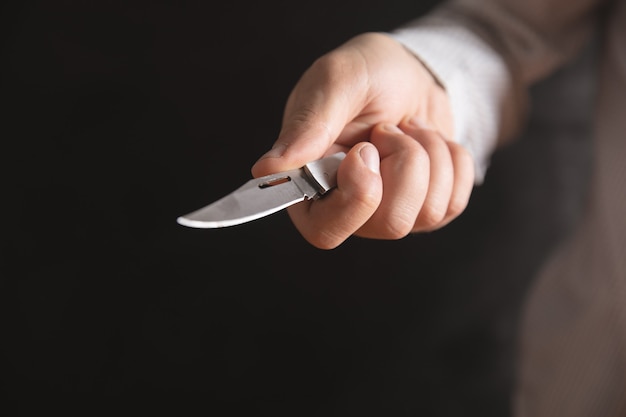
[188, 221]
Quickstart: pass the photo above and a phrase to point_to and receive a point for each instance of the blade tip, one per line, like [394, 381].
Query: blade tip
[184, 221]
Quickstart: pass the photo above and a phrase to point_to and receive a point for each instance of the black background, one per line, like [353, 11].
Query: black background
[120, 116]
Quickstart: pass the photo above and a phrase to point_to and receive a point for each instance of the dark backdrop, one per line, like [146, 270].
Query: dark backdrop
[120, 116]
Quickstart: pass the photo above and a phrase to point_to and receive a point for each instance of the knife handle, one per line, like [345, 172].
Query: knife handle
[324, 171]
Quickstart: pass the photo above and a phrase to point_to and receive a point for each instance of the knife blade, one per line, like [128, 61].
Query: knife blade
[260, 197]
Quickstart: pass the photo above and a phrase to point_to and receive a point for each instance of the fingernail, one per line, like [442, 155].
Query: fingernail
[418, 122]
[392, 128]
[370, 157]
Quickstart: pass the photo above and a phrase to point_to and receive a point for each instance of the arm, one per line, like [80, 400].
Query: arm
[488, 52]
[415, 134]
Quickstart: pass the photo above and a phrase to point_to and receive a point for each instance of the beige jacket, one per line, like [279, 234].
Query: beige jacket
[487, 54]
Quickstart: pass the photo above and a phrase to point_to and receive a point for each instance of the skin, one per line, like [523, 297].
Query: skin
[374, 100]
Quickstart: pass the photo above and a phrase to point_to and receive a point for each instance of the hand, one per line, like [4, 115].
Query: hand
[374, 100]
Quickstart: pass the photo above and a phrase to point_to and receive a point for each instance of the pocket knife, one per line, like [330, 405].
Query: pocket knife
[263, 196]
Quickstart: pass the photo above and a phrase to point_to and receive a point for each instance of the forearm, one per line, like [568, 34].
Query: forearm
[487, 53]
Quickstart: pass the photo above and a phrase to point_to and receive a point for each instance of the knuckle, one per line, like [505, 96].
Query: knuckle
[457, 206]
[461, 155]
[417, 155]
[398, 229]
[364, 201]
[321, 242]
[465, 159]
[430, 139]
[431, 215]
[337, 65]
[323, 238]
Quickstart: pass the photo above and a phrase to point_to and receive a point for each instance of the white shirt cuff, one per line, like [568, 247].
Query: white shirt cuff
[475, 77]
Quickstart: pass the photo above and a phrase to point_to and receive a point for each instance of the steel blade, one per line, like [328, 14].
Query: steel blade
[266, 195]
[255, 199]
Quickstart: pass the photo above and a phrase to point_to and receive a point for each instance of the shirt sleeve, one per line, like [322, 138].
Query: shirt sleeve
[486, 53]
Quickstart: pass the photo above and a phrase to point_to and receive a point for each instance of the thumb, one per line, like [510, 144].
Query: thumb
[327, 222]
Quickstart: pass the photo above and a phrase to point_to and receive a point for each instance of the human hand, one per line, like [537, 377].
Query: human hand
[374, 100]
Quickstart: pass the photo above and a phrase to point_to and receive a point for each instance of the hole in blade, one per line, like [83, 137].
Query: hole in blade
[274, 181]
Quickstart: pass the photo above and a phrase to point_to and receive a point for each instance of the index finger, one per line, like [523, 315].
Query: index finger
[318, 109]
